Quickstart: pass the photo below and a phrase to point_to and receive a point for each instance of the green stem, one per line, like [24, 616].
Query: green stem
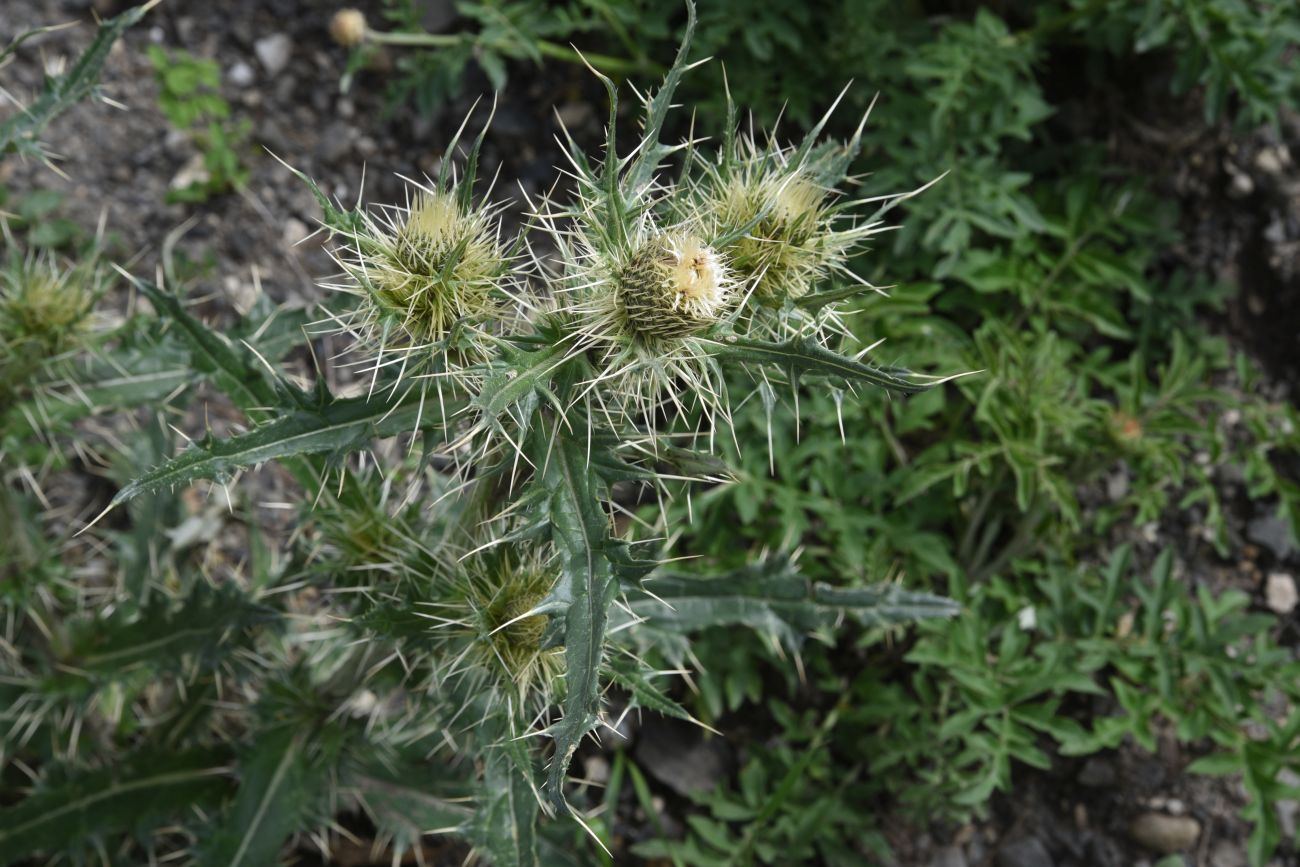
[567, 53]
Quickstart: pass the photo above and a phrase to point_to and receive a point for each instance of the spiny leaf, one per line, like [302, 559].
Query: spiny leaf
[806, 358]
[631, 676]
[580, 531]
[338, 426]
[163, 634]
[21, 132]
[653, 151]
[279, 782]
[771, 596]
[505, 826]
[135, 795]
[524, 374]
[350, 223]
[404, 806]
[234, 370]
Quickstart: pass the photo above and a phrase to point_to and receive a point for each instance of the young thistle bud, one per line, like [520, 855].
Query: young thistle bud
[492, 635]
[428, 273]
[673, 286]
[442, 267]
[44, 312]
[348, 27]
[791, 245]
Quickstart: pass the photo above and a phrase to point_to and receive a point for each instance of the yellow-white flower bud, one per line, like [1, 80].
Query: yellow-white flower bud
[348, 27]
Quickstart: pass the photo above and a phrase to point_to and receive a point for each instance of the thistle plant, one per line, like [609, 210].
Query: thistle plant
[451, 622]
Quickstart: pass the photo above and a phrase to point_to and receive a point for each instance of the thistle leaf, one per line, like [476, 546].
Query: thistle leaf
[404, 811]
[279, 783]
[771, 596]
[21, 133]
[234, 370]
[136, 794]
[652, 153]
[580, 531]
[336, 426]
[163, 635]
[505, 826]
[631, 676]
[806, 358]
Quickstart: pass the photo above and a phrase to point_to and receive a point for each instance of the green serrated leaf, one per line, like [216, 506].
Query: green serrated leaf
[580, 531]
[137, 794]
[806, 358]
[165, 633]
[629, 675]
[771, 596]
[339, 426]
[278, 784]
[21, 132]
[505, 826]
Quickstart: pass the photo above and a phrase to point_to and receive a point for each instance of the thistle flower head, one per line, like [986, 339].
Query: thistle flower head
[43, 307]
[433, 278]
[672, 286]
[787, 237]
[644, 306]
[493, 632]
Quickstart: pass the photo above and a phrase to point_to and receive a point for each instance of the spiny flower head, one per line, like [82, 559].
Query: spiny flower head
[45, 312]
[674, 285]
[43, 307]
[433, 278]
[644, 308]
[779, 214]
[491, 633]
[782, 253]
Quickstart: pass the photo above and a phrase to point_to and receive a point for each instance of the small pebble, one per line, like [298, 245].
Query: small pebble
[1026, 852]
[1162, 833]
[1225, 854]
[294, 231]
[949, 856]
[241, 75]
[1272, 160]
[1281, 593]
[273, 51]
[1097, 773]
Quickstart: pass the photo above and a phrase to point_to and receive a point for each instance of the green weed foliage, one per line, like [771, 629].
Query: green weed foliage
[930, 586]
[189, 97]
